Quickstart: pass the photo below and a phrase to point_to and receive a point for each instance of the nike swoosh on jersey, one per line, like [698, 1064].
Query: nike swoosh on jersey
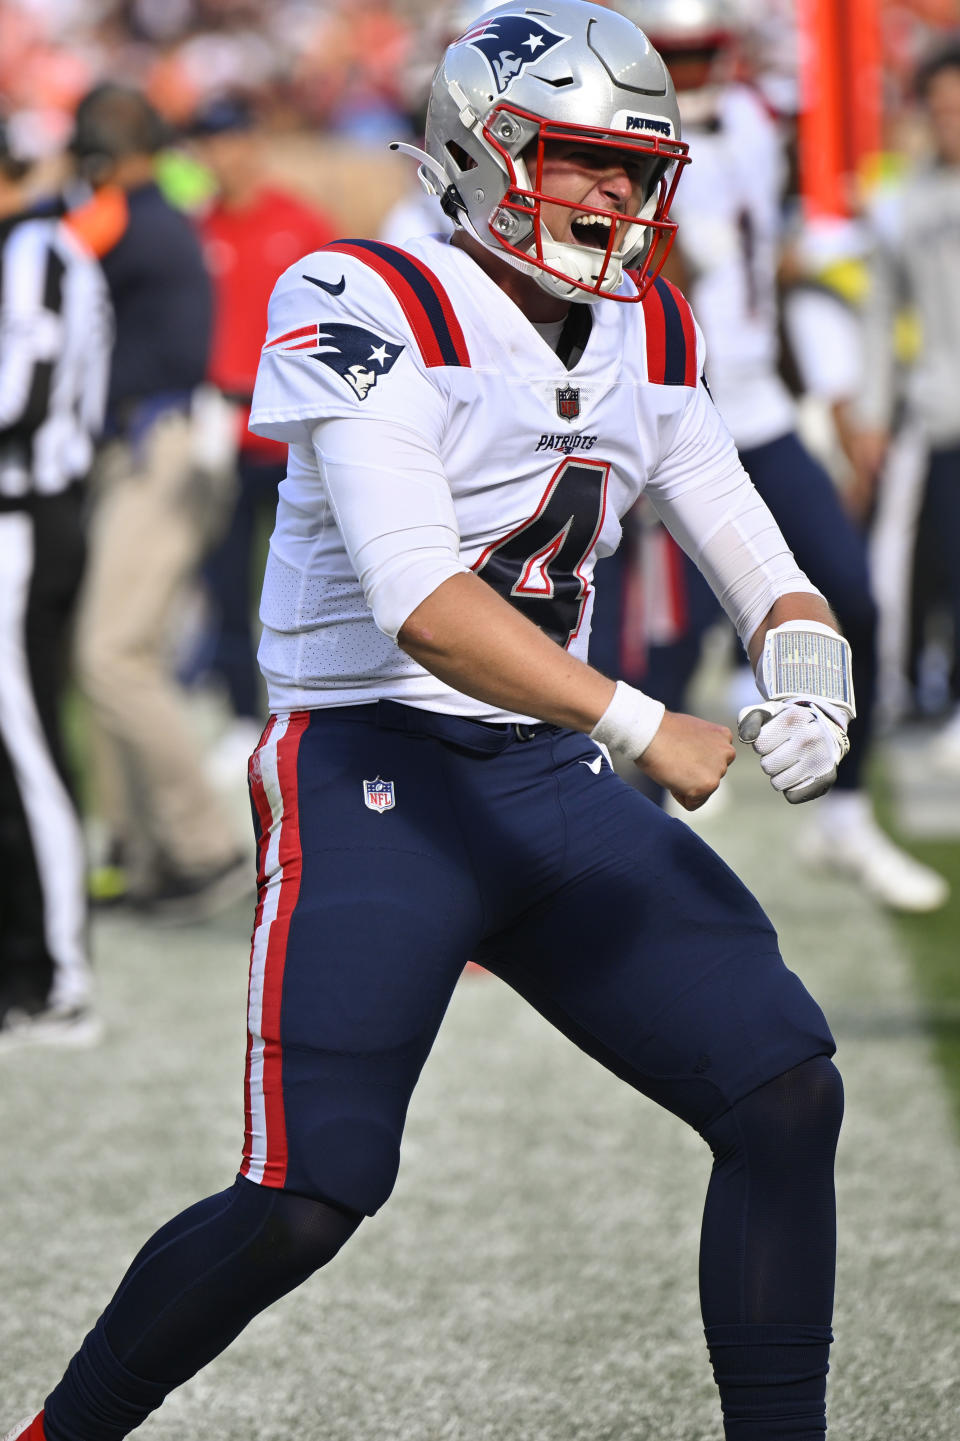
[336, 289]
[593, 765]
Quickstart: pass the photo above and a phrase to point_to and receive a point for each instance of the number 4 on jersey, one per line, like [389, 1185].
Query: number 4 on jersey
[537, 567]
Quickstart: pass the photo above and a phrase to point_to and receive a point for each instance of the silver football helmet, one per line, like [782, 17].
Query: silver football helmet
[521, 76]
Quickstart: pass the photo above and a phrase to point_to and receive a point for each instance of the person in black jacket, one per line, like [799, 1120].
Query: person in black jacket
[154, 517]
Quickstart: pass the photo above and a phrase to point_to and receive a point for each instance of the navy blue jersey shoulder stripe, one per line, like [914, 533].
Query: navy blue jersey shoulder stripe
[675, 347]
[671, 336]
[422, 297]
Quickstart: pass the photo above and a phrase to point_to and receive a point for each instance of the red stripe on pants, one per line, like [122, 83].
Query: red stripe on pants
[289, 866]
[264, 819]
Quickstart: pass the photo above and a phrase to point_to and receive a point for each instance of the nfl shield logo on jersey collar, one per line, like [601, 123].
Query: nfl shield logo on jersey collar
[379, 795]
[568, 402]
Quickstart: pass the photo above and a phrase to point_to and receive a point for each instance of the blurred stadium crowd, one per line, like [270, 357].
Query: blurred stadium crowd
[266, 128]
[351, 67]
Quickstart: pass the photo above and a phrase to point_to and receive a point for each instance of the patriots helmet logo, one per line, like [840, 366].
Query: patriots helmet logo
[358, 356]
[509, 44]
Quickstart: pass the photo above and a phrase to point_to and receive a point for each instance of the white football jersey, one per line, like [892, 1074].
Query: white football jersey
[541, 462]
[728, 210]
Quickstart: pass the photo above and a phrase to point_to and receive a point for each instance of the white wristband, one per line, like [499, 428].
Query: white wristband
[629, 723]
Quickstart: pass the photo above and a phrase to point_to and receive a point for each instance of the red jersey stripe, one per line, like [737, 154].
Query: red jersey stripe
[689, 334]
[449, 315]
[656, 327]
[409, 303]
[440, 338]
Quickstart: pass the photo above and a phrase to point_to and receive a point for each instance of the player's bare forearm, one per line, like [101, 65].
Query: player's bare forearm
[798, 605]
[469, 637]
[474, 640]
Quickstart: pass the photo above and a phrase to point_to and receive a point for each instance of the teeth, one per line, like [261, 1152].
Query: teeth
[582, 224]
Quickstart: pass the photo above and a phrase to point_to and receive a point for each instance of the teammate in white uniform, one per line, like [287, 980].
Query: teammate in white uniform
[728, 210]
[466, 425]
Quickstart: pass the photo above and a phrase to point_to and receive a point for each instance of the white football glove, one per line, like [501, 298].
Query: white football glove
[800, 731]
[800, 745]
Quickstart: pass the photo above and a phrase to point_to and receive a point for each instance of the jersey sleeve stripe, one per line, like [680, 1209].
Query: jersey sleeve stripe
[422, 298]
[655, 323]
[671, 337]
[689, 334]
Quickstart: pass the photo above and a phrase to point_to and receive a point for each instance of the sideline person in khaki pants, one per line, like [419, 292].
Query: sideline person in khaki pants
[155, 513]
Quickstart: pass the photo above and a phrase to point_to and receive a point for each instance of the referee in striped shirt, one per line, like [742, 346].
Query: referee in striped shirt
[55, 340]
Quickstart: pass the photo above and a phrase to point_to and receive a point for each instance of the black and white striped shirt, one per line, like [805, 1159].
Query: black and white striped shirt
[56, 334]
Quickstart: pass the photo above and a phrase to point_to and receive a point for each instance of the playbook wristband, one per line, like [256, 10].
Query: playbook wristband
[805, 660]
[629, 723]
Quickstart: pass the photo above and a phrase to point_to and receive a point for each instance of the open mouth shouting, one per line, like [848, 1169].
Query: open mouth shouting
[591, 230]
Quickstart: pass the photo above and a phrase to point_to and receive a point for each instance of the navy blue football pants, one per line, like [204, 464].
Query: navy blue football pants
[936, 573]
[522, 850]
[829, 549]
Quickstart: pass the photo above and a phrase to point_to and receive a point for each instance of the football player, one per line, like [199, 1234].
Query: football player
[728, 211]
[467, 422]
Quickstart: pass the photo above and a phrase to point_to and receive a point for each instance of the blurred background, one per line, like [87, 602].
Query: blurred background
[265, 128]
[336, 75]
[261, 134]
[257, 134]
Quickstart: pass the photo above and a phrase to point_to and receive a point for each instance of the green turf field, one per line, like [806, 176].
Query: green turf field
[534, 1275]
[932, 944]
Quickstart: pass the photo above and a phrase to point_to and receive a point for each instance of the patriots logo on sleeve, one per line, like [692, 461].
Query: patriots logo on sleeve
[358, 356]
[509, 44]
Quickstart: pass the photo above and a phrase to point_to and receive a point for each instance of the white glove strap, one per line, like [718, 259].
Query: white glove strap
[806, 660]
[629, 723]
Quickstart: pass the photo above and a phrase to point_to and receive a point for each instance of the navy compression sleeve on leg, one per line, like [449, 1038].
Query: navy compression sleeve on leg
[193, 1287]
[768, 1254]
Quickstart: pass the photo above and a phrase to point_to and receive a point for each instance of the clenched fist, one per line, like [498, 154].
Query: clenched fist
[689, 757]
[799, 744]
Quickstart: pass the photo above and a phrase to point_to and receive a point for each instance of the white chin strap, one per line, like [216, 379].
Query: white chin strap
[584, 265]
[579, 264]
[573, 261]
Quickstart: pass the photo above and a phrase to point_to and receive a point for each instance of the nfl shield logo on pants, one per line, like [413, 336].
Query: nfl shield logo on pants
[379, 795]
[568, 402]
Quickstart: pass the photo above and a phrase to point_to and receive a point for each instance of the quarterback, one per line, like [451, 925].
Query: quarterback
[467, 421]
